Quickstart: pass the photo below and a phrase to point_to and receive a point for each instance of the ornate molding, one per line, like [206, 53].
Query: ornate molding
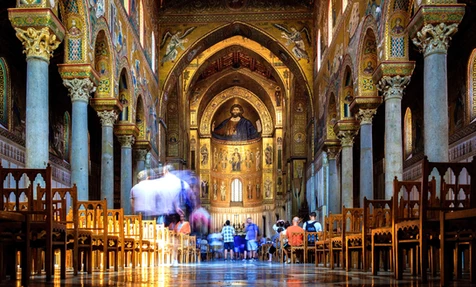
[366, 115]
[38, 43]
[346, 137]
[140, 154]
[434, 38]
[393, 86]
[79, 89]
[107, 118]
[126, 141]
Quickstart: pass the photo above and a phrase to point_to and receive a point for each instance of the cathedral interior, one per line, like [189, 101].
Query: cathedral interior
[280, 107]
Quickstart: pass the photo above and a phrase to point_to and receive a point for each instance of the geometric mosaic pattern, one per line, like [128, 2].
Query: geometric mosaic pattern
[71, 6]
[74, 49]
[398, 47]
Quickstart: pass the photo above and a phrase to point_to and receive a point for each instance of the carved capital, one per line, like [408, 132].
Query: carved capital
[107, 118]
[366, 115]
[332, 153]
[434, 38]
[79, 89]
[347, 138]
[126, 140]
[38, 43]
[140, 154]
[393, 86]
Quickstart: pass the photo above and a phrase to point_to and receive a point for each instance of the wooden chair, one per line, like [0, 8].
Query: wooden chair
[418, 228]
[336, 239]
[133, 240]
[115, 237]
[323, 244]
[311, 238]
[379, 233]
[39, 231]
[458, 229]
[297, 236]
[92, 231]
[149, 242]
[352, 235]
[63, 200]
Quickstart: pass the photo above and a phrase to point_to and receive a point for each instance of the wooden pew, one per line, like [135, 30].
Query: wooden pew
[133, 240]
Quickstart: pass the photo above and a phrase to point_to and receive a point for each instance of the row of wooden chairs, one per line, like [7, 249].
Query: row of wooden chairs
[406, 230]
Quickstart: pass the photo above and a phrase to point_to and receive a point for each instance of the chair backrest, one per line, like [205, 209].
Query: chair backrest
[353, 219]
[64, 199]
[407, 200]
[92, 216]
[133, 227]
[377, 214]
[295, 237]
[149, 230]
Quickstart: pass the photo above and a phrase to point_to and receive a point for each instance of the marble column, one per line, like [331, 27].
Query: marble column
[392, 88]
[79, 90]
[366, 155]
[347, 142]
[107, 159]
[39, 46]
[139, 155]
[334, 195]
[433, 41]
[126, 171]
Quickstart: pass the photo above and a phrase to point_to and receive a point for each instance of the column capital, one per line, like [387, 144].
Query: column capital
[126, 140]
[432, 26]
[392, 87]
[79, 89]
[366, 115]
[140, 154]
[346, 130]
[39, 30]
[332, 147]
[107, 118]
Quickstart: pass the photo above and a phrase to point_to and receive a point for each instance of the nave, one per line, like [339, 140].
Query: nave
[219, 273]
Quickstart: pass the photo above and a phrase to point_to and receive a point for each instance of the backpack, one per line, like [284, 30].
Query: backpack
[310, 226]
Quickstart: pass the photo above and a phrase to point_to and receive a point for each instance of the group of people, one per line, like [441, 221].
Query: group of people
[237, 247]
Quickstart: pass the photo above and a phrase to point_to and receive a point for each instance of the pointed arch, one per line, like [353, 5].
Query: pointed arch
[125, 95]
[5, 95]
[471, 94]
[408, 134]
[140, 118]
[227, 31]
[103, 63]
[347, 91]
[332, 116]
[368, 59]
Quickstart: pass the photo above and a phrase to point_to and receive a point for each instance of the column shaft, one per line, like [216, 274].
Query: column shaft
[334, 189]
[393, 143]
[436, 107]
[366, 163]
[79, 149]
[107, 165]
[126, 178]
[347, 177]
[37, 121]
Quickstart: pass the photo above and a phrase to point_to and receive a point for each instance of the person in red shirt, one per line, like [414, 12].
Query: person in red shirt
[294, 239]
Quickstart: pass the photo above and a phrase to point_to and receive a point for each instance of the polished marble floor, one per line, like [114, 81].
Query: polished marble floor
[219, 273]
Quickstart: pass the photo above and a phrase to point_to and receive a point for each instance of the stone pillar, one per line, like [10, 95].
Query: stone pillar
[347, 141]
[39, 44]
[366, 155]
[433, 41]
[392, 88]
[107, 160]
[139, 156]
[334, 203]
[79, 90]
[126, 171]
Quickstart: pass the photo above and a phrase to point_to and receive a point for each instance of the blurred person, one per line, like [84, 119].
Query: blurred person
[143, 197]
[216, 243]
[228, 232]
[203, 248]
[274, 243]
[240, 246]
[168, 196]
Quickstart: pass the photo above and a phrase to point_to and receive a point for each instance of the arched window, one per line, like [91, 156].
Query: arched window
[141, 23]
[329, 23]
[318, 50]
[67, 136]
[236, 190]
[153, 52]
[471, 101]
[125, 3]
[4, 94]
[407, 133]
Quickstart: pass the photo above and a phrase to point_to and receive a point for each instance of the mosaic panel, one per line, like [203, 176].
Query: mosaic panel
[398, 47]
